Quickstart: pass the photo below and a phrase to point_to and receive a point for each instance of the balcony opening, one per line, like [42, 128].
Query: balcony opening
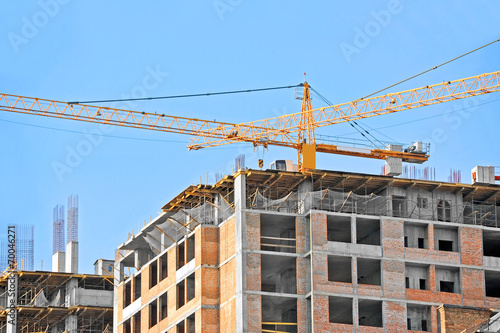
[369, 271]
[278, 274]
[164, 266]
[367, 231]
[339, 228]
[153, 313]
[339, 269]
[418, 317]
[277, 233]
[153, 274]
[340, 310]
[163, 306]
[279, 314]
[416, 276]
[448, 279]
[370, 313]
[446, 238]
[491, 239]
[492, 283]
[415, 235]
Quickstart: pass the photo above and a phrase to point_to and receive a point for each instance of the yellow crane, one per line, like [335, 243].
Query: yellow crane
[293, 130]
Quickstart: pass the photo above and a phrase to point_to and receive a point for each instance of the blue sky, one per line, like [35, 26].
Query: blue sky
[68, 50]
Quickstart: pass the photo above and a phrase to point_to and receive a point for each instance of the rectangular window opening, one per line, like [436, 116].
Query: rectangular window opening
[127, 293]
[153, 314]
[421, 243]
[180, 255]
[446, 286]
[445, 245]
[422, 284]
[137, 286]
[190, 285]
[153, 274]
[190, 251]
[340, 310]
[181, 298]
[164, 266]
[163, 306]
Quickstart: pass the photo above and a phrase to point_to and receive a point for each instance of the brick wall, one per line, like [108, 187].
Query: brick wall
[458, 319]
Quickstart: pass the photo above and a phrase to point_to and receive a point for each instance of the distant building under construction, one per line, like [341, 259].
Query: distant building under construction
[322, 251]
[25, 248]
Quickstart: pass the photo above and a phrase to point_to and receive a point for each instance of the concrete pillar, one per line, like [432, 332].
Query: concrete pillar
[216, 210]
[72, 257]
[58, 262]
[240, 244]
[305, 199]
[71, 323]
[71, 288]
[140, 258]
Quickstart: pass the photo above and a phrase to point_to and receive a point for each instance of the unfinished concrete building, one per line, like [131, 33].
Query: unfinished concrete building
[58, 301]
[323, 251]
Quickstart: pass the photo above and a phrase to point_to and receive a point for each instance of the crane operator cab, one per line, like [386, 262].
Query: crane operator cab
[284, 165]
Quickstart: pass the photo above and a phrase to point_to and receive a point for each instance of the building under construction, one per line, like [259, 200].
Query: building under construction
[57, 301]
[319, 251]
[25, 248]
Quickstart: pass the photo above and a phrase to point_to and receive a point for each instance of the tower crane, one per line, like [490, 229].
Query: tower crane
[293, 130]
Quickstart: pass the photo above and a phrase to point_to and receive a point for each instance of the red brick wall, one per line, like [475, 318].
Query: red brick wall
[471, 242]
[253, 231]
[319, 232]
[253, 272]
[473, 287]
[254, 311]
[456, 320]
[394, 317]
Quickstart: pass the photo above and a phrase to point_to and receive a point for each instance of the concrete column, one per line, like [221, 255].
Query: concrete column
[71, 287]
[72, 257]
[71, 324]
[216, 210]
[305, 200]
[140, 258]
[240, 244]
[58, 262]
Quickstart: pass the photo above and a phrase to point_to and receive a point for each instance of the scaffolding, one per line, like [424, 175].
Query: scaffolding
[42, 302]
[72, 218]
[58, 244]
